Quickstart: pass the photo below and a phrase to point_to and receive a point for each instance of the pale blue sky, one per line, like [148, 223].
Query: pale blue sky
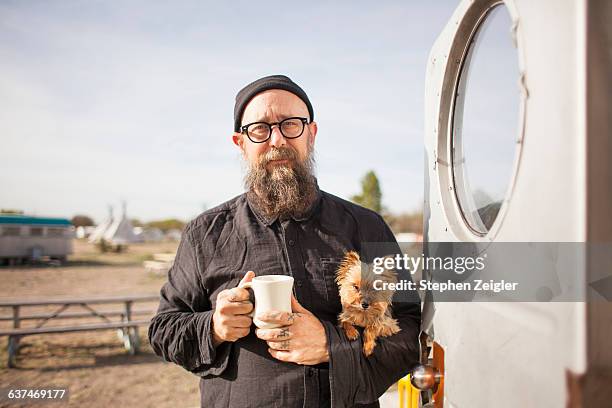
[103, 101]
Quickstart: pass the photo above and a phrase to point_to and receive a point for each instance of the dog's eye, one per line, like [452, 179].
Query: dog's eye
[356, 288]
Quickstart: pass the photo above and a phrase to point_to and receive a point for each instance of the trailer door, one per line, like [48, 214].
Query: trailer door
[505, 162]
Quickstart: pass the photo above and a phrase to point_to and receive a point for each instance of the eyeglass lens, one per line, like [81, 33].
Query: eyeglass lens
[291, 128]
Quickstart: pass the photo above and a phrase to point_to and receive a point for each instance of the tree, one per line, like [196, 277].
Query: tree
[82, 221]
[371, 196]
[136, 222]
[10, 211]
[166, 225]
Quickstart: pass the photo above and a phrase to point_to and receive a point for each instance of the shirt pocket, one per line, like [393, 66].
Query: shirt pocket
[328, 268]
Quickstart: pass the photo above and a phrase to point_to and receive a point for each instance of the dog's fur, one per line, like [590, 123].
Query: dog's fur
[357, 291]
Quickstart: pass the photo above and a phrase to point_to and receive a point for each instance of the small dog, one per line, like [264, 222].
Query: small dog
[362, 305]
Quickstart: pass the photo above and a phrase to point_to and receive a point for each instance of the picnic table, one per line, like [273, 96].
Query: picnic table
[160, 265]
[126, 325]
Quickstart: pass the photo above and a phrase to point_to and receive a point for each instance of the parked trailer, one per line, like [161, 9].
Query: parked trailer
[26, 238]
[518, 146]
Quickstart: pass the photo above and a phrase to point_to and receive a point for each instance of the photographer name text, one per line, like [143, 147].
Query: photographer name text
[423, 284]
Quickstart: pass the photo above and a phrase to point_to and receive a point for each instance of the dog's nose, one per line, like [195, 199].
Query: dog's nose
[365, 305]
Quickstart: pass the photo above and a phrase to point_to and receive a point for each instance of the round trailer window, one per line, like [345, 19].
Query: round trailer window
[486, 121]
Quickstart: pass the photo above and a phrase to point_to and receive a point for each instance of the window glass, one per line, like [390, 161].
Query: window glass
[11, 231]
[485, 121]
[36, 231]
[55, 232]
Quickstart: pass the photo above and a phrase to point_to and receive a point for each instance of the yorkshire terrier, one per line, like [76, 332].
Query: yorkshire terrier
[362, 305]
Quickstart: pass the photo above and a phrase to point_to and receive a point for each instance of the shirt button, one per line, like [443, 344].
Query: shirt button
[291, 242]
[299, 283]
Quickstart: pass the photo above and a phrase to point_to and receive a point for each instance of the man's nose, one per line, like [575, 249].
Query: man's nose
[276, 138]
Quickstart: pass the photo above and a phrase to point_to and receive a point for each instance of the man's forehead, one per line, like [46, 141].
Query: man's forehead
[274, 104]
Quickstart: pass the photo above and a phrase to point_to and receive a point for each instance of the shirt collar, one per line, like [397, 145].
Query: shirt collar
[266, 220]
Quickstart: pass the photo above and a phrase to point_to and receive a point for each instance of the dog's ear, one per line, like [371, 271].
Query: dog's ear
[389, 274]
[351, 259]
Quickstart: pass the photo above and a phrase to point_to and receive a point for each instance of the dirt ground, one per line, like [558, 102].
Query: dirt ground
[94, 366]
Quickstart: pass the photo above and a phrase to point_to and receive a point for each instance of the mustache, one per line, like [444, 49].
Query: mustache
[278, 153]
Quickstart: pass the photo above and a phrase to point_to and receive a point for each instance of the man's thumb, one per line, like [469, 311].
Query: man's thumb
[247, 277]
[296, 307]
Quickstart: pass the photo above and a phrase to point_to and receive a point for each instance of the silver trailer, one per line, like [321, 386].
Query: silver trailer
[26, 238]
[518, 137]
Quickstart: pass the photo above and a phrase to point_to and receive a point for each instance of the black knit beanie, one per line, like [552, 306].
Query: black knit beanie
[264, 84]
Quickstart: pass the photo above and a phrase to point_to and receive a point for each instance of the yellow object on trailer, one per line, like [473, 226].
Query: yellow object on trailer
[408, 395]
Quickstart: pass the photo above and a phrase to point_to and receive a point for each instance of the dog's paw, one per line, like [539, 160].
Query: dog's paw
[350, 331]
[389, 328]
[368, 347]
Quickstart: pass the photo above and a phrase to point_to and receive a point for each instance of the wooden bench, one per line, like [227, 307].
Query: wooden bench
[127, 327]
[164, 258]
[157, 267]
[160, 264]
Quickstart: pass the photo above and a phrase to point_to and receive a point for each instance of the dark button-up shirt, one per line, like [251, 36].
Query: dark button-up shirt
[216, 250]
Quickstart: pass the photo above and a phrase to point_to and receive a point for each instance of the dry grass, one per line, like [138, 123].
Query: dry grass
[87, 254]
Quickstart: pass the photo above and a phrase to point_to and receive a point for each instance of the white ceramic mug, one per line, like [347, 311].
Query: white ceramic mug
[272, 292]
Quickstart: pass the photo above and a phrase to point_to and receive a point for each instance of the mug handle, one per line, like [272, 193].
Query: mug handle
[248, 285]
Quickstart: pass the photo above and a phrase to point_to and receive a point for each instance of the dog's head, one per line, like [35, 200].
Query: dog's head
[357, 289]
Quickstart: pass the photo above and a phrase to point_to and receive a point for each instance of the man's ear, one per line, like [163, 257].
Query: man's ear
[313, 131]
[238, 140]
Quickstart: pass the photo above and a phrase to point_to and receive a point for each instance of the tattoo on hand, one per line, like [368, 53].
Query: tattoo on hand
[292, 316]
[284, 333]
[285, 345]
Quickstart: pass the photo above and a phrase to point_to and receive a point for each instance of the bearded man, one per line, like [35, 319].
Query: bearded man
[283, 224]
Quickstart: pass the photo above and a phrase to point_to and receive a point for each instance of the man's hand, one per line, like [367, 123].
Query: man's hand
[230, 321]
[301, 339]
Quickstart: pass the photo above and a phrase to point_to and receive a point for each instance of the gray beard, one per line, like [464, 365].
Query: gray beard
[284, 191]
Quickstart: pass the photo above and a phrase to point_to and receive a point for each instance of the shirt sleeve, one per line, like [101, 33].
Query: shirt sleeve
[356, 379]
[181, 331]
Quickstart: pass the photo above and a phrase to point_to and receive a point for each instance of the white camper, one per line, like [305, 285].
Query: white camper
[518, 149]
[29, 238]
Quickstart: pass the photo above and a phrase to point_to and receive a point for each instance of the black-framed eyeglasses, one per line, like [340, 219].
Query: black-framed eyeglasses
[259, 132]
